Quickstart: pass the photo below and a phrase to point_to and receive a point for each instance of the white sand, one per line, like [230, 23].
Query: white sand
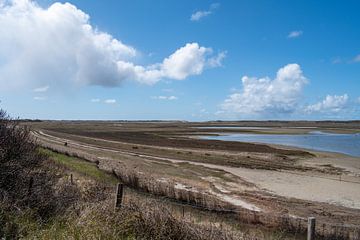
[298, 185]
[303, 187]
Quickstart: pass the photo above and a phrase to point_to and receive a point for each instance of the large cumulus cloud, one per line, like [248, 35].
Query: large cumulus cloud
[57, 45]
[266, 96]
[330, 104]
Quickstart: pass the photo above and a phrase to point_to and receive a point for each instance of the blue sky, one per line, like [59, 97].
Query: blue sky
[186, 60]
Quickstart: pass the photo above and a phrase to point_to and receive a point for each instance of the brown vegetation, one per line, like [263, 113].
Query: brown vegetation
[37, 202]
[206, 202]
[152, 140]
[27, 183]
[156, 138]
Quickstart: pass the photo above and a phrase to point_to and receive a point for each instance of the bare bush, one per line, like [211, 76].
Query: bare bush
[18, 158]
[26, 180]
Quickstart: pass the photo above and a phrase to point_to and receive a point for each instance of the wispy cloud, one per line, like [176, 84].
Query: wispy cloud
[357, 58]
[202, 113]
[110, 101]
[295, 34]
[95, 100]
[216, 61]
[170, 98]
[349, 60]
[41, 89]
[336, 60]
[40, 98]
[169, 90]
[201, 14]
[214, 6]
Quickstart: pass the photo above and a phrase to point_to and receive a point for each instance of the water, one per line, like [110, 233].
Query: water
[230, 127]
[342, 143]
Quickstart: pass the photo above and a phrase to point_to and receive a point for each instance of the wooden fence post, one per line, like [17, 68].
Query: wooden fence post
[71, 178]
[119, 195]
[311, 228]
[31, 183]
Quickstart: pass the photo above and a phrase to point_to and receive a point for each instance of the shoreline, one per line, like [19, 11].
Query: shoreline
[276, 145]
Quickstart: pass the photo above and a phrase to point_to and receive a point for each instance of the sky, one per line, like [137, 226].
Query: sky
[194, 60]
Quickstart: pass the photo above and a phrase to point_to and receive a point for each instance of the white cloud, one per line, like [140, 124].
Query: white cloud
[110, 101]
[203, 110]
[170, 98]
[331, 104]
[216, 61]
[40, 98]
[336, 60]
[58, 46]
[295, 34]
[188, 60]
[357, 58]
[169, 90]
[95, 100]
[214, 6]
[41, 89]
[265, 96]
[201, 14]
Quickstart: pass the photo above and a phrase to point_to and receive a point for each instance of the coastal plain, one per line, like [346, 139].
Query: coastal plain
[264, 178]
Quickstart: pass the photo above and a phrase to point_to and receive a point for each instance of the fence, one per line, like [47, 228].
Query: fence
[319, 230]
[181, 197]
[315, 229]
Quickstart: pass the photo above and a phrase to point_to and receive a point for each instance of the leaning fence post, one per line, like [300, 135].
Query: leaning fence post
[311, 228]
[119, 195]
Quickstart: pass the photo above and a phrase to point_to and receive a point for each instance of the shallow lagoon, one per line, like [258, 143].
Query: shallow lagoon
[342, 143]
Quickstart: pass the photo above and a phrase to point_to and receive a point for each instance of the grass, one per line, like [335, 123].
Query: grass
[80, 166]
[138, 221]
[97, 220]
[146, 184]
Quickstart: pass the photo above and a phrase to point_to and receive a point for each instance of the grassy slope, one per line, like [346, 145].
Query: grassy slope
[97, 219]
[69, 225]
[80, 166]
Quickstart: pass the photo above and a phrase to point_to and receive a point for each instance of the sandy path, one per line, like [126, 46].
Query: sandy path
[287, 184]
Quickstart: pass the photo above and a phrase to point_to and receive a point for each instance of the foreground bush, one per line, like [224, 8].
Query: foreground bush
[18, 159]
[28, 186]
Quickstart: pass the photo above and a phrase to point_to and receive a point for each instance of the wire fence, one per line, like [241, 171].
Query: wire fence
[165, 191]
[285, 222]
